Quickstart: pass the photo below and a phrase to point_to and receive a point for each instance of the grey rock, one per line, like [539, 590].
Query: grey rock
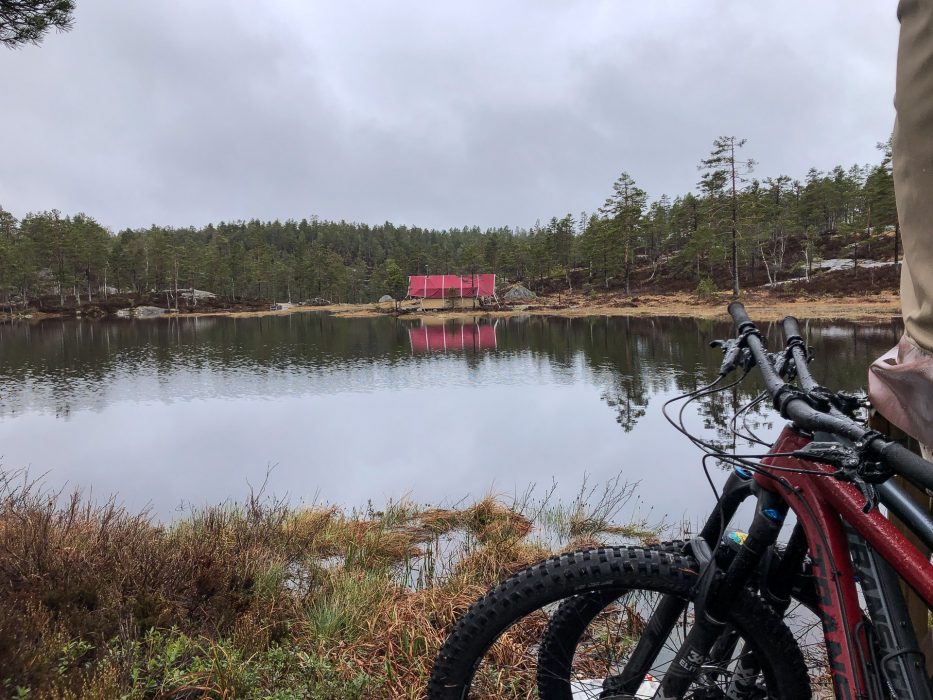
[519, 293]
[141, 312]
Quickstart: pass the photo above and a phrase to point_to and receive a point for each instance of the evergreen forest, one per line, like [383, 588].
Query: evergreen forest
[735, 230]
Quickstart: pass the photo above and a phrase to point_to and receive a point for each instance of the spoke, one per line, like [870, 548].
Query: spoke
[604, 648]
[715, 677]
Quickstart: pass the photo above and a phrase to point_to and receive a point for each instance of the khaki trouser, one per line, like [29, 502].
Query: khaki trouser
[901, 382]
[913, 166]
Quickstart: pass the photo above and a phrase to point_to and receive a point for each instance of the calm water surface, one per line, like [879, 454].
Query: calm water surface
[170, 412]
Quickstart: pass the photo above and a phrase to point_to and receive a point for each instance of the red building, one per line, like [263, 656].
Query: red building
[452, 286]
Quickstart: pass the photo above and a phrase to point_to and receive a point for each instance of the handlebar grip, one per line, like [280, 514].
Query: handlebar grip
[907, 463]
[791, 328]
[737, 311]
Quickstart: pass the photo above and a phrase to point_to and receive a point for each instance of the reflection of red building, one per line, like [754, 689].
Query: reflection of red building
[444, 338]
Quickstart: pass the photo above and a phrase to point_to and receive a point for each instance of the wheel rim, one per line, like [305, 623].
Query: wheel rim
[606, 645]
[510, 668]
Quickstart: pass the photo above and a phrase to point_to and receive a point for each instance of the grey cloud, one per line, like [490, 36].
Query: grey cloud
[438, 114]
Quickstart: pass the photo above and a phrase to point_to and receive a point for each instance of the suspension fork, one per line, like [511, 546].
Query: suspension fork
[717, 591]
[737, 488]
[778, 579]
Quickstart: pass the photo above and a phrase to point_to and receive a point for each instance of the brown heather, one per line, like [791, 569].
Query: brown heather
[261, 600]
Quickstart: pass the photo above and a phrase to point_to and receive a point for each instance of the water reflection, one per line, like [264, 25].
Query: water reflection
[453, 337]
[195, 409]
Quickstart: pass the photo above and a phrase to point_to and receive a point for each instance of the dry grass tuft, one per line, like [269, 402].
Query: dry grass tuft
[492, 522]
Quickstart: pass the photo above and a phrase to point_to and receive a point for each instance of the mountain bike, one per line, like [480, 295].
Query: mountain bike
[706, 618]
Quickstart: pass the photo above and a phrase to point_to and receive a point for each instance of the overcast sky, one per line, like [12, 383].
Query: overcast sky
[429, 113]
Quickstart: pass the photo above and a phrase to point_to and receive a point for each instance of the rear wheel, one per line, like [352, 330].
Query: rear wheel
[493, 650]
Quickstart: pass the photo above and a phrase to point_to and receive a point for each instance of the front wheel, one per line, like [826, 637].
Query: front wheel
[492, 650]
[576, 631]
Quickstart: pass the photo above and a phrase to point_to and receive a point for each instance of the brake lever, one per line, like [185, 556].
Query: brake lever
[735, 354]
[851, 466]
[832, 453]
[730, 351]
[869, 492]
[848, 403]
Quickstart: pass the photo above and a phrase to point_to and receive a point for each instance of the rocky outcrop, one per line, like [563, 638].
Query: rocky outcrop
[142, 312]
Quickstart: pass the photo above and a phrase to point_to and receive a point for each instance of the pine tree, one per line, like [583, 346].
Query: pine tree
[721, 169]
[623, 210]
[560, 235]
[879, 186]
[396, 284]
[27, 21]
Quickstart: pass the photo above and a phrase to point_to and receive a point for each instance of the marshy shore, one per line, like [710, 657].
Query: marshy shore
[260, 599]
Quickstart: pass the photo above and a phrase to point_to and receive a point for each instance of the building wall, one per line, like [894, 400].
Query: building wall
[450, 303]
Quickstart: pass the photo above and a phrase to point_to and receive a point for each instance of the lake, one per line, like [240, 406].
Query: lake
[175, 412]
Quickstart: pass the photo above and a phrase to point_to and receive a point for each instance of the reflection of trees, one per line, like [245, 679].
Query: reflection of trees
[635, 359]
[628, 402]
[68, 365]
[719, 410]
[622, 353]
[618, 352]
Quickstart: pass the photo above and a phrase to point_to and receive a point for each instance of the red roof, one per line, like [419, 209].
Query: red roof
[444, 338]
[447, 286]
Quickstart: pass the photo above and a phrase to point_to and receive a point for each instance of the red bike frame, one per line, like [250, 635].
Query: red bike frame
[821, 505]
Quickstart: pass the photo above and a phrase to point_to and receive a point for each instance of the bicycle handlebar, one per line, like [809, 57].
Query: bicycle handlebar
[794, 342]
[791, 329]
[793, 406]
[738, 313]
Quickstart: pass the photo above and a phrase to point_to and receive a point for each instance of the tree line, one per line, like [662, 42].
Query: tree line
[734, 229]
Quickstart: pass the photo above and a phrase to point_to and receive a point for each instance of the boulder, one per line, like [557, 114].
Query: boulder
[385, 298]
[518, 293]
[198, 294]
[191, 294]
[142, 312]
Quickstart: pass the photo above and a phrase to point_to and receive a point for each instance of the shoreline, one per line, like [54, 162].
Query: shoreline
[761, 306]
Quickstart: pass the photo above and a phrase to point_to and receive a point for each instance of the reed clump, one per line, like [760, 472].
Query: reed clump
[249, 600]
